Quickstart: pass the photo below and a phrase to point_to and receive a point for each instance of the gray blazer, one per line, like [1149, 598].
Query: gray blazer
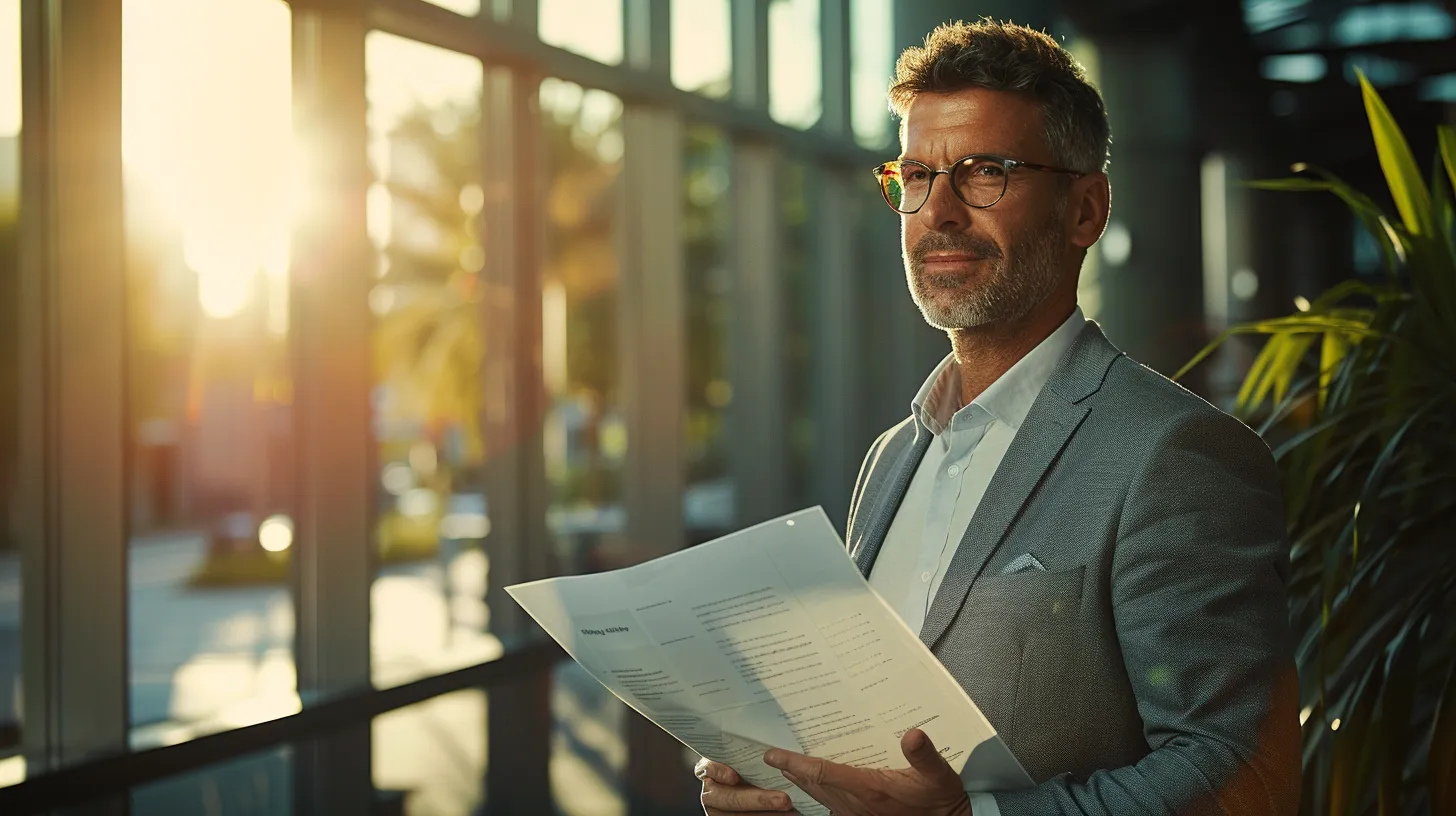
[1118, 604]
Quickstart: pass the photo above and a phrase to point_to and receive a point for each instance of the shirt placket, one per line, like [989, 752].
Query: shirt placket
[945, 493]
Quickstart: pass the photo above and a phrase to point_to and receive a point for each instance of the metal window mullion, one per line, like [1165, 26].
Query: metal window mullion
[651, 311]
[72, 468]
[757, 416]
[831, 360]
[505, 43]
[835, 58]
[519, 717]
[749, 39]
[648, 32]
[521, 14]
[331, 327]
[651, 324]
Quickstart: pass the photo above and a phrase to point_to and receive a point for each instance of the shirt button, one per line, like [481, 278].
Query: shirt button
[953, 470]
[926, 576]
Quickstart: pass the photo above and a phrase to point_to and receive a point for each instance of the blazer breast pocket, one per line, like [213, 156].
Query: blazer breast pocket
[1014, 630]
[1050, 635]
[1029, 595]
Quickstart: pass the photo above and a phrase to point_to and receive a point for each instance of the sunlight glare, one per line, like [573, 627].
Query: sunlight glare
[207, 126]
[872, 66]
[9, 68]
[794, 70]
[275, 534]
[592, 28]
[701, 46]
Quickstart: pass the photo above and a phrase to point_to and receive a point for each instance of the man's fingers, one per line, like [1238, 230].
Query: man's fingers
[923, 755]
[810, 770]
[716, 771]
[742, 798]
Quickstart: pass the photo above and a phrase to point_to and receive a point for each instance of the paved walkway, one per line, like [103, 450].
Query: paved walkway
[204, 659]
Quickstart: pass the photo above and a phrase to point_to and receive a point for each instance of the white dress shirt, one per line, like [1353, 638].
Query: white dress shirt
[969, 442]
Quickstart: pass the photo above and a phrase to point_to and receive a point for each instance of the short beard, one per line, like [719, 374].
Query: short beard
[1014, 282]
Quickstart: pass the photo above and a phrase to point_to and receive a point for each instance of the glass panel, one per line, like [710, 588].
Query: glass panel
[469, 8]
[9, 371]
[800, 319]
[702, 47]
[708, 505]
[260, 784]
[794, 66]
[588, 751]
[585, 435]
[592, 28]
[1089, 285]
[207, 145]
[424, 210]
[872, 67]
[434, 752]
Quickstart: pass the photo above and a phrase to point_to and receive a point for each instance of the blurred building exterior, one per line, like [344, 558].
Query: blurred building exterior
[326, 319]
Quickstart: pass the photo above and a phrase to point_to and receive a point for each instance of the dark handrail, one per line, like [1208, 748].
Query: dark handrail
[109, 775]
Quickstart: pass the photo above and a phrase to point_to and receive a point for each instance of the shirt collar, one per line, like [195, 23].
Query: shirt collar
[938, 404]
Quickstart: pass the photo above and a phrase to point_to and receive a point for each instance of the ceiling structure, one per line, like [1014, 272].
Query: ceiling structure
[1311, 52]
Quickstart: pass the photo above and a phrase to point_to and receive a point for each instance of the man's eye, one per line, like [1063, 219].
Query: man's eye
[914, 174]
[987, 170]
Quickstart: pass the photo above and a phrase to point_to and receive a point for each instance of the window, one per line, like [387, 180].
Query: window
[794, 64]
[1089, 285]
[702, 46]
[592, 28]
[424, 208]
[797, 269]
[872, 67]
[588, 746]
[207, 147]
[708, 506]
[256, 785]
[585, 433]
[10, 670]
[434, 753]
[469, 8]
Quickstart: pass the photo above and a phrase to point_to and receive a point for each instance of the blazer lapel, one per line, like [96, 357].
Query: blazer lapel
[1053, 418]
[887, 503]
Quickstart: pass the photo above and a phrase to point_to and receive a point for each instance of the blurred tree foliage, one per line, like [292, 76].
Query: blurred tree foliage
[1355, 393]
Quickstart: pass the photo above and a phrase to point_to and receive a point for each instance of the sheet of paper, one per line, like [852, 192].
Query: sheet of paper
[769, 637]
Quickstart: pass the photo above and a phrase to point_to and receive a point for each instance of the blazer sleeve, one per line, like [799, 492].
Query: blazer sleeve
[1199, 590]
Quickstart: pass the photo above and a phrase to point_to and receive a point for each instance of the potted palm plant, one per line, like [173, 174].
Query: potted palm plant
[1357, 396]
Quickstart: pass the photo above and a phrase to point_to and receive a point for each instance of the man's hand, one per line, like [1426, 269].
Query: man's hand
[725, 792]
[927, 788]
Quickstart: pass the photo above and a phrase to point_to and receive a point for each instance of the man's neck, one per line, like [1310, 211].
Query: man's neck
[984, 353]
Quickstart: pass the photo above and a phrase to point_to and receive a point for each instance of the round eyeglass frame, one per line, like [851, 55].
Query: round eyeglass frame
[964, 161]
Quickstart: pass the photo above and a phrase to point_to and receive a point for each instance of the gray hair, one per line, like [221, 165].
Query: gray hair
[1014, 58]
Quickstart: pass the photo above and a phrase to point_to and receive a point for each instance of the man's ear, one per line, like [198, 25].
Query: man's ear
[1091, 202]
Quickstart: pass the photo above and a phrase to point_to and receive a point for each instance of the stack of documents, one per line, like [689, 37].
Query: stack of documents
[769, 637]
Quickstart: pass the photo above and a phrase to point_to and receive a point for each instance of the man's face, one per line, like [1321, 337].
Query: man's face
[970, 267]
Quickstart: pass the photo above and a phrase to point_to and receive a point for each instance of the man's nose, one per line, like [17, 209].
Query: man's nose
[943, 210]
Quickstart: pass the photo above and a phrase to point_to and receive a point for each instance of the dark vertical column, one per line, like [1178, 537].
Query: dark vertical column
[331, 327]
[756, 418]
[71, 511]
[1151, 257]
[518, 712]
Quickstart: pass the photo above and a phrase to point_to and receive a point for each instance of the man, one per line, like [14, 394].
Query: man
[1095, 554]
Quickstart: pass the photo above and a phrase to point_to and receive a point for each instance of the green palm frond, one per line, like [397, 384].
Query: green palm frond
[1355, 396]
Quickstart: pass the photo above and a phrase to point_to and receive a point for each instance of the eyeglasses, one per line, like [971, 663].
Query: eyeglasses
[979, 180]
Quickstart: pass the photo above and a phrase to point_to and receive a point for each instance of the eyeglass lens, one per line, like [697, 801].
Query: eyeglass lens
[979, 182]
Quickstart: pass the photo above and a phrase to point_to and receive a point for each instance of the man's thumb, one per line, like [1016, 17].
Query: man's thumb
[922, 753]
